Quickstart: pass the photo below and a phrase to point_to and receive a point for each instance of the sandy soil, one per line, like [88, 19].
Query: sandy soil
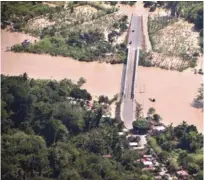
[173, 91]
[174, 40]
[39, 23]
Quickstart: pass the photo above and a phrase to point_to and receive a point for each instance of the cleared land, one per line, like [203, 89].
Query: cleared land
[174, 41]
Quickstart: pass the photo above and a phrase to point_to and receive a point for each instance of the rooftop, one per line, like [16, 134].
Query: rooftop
[182, 173]
[159, 128]
[133, 144]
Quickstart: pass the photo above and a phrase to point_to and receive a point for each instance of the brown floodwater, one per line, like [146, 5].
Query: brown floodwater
[173, 91]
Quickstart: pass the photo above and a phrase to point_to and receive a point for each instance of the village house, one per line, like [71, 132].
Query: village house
[182, 174]
[158, 129]
[107, 156]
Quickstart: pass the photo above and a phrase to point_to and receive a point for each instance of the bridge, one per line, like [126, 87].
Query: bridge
[128, 84]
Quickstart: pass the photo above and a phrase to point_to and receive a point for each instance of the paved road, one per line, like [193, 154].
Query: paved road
[128, 100]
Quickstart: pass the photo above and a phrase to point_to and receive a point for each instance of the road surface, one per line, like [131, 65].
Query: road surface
[128, 101]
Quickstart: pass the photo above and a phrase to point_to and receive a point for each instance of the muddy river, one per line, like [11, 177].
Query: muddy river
[173, 91]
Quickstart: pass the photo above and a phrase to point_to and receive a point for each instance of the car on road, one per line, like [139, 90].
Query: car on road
[130, 42]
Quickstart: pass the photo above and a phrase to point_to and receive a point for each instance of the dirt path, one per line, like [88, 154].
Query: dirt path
[173, 91]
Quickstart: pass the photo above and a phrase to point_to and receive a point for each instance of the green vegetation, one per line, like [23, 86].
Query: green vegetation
[199, 99]
[113, 3]
[70, 33]
[131, 3]
[47, 134]
[141, 125]
[180, 146]
[176, 48]
[153, 143]
[151, 110]
[191, 11]
[19, 13]
[144, 59]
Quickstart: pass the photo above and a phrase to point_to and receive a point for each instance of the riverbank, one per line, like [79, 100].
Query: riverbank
[173, 91]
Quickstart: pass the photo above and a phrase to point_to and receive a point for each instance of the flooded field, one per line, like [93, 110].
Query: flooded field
[173, 91]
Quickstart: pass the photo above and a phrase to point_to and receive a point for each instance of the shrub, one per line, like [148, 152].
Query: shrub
[141, 125]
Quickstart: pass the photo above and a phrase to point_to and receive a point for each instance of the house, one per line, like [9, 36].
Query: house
[131, 135]
[148, 168]
[147, 156]
[107, 156]
[120, 133]
[125, 130]
[182, 173]
[159, 128]
[133, 144]
[147, 163]
[137, 148]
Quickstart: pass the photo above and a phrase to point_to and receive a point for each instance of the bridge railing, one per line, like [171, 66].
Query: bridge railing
[136, 60]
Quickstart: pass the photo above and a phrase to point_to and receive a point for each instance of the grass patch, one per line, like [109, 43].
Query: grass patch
[153, 143]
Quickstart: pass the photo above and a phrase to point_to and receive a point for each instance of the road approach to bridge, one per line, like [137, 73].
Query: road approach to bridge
[128, 105]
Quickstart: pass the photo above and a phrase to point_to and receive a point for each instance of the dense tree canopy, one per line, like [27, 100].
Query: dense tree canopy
[46, 134]
[180, 146]
[141, 125]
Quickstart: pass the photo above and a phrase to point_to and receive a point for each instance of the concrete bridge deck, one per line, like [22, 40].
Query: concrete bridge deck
[128, 105]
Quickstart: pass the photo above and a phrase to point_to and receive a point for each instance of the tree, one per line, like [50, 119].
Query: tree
[173, 165]
[157, 118]
[145, 177]
[71, 116]
[81, 81]
[103, 99]
[25, 76]
[199, 99]
[199, 176]
[151, 110]
[113, 3]
[141, 125]
[55, 131]
[28, 152]
[193, 168]
[80, 94]
[123, 27]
